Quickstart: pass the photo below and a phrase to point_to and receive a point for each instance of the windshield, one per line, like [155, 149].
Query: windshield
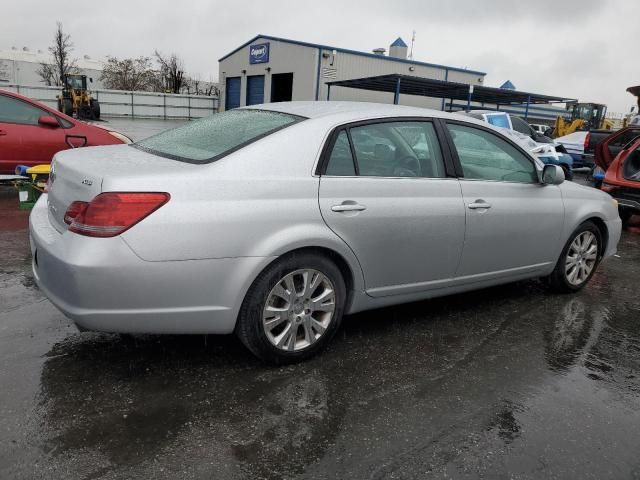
[210, 138]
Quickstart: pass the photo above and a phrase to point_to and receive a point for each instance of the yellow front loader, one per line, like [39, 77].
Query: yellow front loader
[76, 99]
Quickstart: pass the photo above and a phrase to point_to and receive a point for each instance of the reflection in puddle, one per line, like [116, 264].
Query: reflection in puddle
[126, 400]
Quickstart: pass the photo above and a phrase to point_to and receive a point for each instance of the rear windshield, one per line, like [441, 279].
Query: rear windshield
[210, 138]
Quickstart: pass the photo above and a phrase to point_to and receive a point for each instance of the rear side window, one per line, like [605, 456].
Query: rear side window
[13, 110]
[624, 138]
[389, 149]
[486, 156]
[208, 139]
[341, 160]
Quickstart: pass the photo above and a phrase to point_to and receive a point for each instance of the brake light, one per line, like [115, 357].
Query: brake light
[112, 213]
[587, 139]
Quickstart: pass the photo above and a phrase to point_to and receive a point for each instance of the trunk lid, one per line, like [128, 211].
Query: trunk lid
[80, 174]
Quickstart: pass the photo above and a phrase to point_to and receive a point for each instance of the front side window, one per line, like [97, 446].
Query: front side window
[397, 149]
[204, 140]
[485, 156]
[13, 110]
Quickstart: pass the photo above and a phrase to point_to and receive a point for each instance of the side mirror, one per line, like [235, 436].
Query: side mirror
[48, 121]
[552, 175]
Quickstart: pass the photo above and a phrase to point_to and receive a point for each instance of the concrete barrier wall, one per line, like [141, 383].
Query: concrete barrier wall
[119, 103]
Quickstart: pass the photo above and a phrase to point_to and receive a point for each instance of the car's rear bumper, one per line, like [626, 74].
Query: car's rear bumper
[101, 284]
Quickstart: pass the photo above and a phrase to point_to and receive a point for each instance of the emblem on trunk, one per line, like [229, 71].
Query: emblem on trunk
[87, 182]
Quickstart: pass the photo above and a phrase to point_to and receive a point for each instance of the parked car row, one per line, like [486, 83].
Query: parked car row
[31, 133]
[311, 210]
[541, 146]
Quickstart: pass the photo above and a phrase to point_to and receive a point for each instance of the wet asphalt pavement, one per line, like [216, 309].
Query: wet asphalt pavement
[508, 382]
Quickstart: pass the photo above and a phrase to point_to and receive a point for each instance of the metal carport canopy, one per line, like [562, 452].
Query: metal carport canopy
[429, 87]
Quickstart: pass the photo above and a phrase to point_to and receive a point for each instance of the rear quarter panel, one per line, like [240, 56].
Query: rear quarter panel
[260, 201]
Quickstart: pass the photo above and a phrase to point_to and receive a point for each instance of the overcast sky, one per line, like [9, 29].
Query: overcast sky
[586, 49]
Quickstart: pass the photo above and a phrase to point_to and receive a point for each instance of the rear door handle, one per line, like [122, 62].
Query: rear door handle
[2, 133]
[478, 204]
[348, 207]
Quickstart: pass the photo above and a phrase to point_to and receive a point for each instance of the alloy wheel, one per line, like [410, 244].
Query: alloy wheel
[299, 309]
[581, 258]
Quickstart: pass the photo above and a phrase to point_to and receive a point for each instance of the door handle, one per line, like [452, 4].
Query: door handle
[479, 204]
[2, 133]
[348, 207]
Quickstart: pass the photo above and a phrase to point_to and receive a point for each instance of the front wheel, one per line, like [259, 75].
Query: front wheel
[578, 260]
[292, 309]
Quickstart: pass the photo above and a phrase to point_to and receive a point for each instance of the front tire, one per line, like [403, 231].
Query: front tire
[579, 259]
[292, 309]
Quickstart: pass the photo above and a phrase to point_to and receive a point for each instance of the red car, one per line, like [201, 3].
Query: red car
[619, 155]
[31, 133]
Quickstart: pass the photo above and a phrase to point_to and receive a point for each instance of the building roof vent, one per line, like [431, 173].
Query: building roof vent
[508, 85]
[379, 51]
[398, 49]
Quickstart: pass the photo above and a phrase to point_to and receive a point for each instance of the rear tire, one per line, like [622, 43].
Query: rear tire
[287, 317]
[67, 105]
[85, 112]
[578, 260]
[95, 108]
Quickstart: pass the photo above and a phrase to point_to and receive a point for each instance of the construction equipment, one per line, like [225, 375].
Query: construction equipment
[76, 99]
[584, 116]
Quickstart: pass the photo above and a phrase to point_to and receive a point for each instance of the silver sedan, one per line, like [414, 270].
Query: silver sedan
[276, 220]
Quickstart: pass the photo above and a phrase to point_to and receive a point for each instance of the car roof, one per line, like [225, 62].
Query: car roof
[352, 111]
[488, 111]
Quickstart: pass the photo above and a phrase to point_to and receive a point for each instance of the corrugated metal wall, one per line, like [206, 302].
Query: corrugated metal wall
[131, 104]
[311, 65]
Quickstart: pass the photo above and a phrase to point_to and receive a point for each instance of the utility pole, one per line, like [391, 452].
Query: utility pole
[413, 40]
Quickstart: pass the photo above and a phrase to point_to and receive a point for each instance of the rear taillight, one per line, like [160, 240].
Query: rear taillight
[74, 210]
[587, 139]
[110, 214]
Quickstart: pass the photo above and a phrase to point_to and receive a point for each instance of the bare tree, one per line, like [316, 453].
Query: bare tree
[129, 74]
[47, 73]
[171, 72]
[63, 64]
